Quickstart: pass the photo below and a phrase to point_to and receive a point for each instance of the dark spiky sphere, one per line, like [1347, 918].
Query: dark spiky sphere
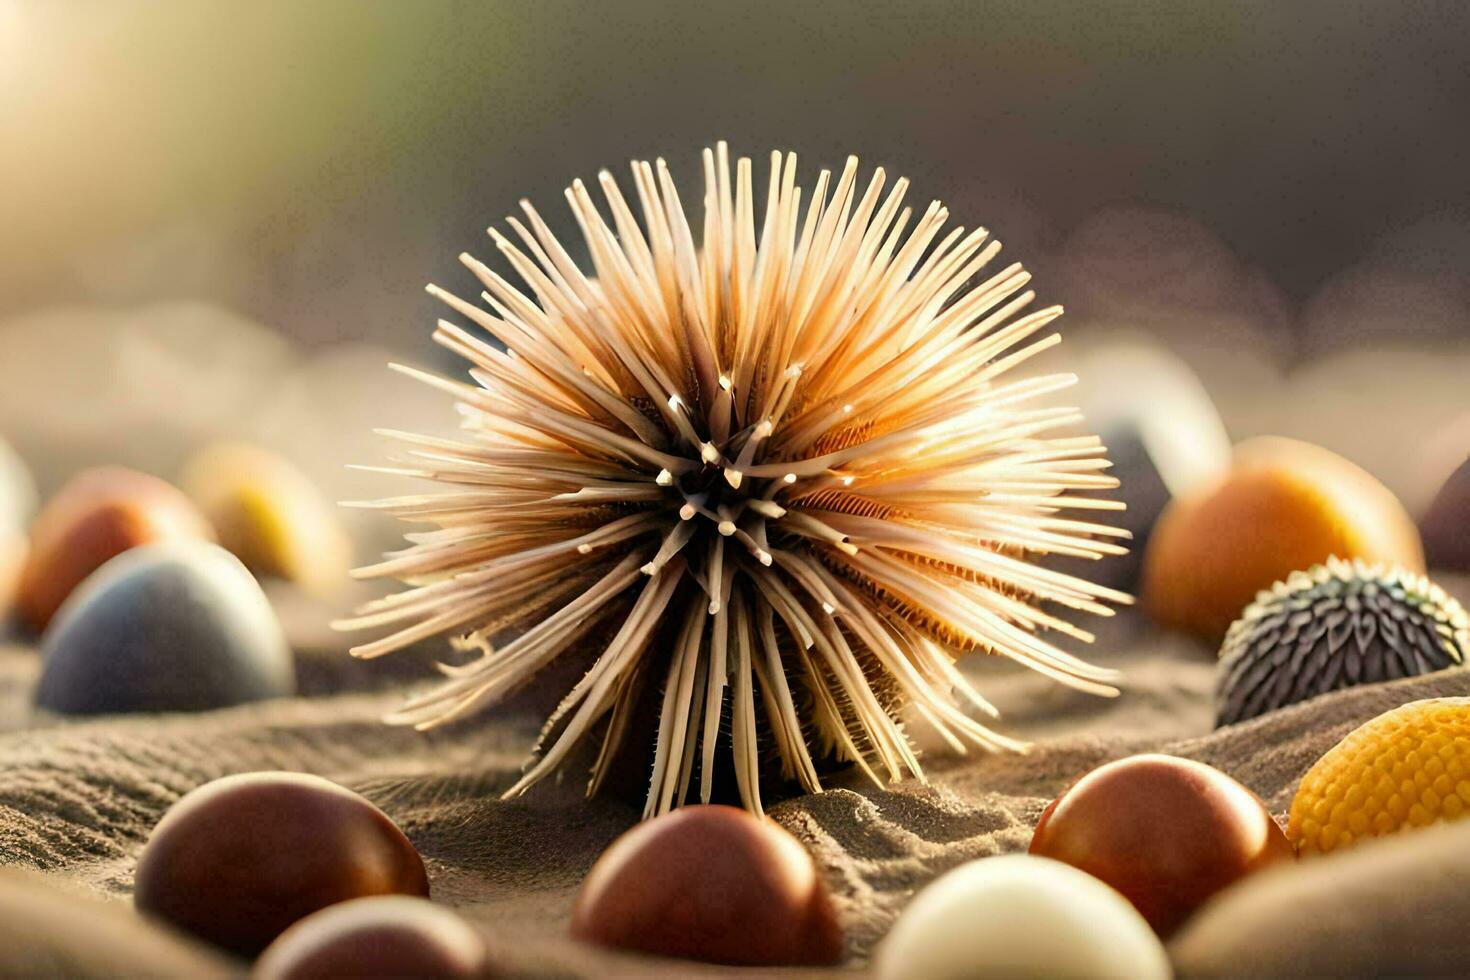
[1338, 625]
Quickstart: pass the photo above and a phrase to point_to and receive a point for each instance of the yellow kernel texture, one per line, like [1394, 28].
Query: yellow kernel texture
[1402, 769]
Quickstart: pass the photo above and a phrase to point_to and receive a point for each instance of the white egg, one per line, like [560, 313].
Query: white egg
[1020, 916]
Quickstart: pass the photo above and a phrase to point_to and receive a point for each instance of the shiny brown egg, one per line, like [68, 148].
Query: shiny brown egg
[387, 936]
[1167, 833]
[710, 883]
[240, 859]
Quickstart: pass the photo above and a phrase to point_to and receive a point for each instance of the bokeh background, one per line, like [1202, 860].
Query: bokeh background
[216, 217]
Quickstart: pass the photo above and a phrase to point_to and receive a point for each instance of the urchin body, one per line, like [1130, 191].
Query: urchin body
[778, 483]
[1335, 626]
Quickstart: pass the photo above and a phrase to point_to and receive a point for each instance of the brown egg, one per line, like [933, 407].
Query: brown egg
[1446, 523]
[386, 936]
[238, 860]
[1283, 507]
[1167, 833]
[710, 883]
[97, 516]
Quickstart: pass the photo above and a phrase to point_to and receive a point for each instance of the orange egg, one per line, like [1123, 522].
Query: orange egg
[1408, 767]
[1283, 506]
[97, 516]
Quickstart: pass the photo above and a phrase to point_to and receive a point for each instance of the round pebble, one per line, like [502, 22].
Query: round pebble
[180, 626]
[386, 936]
[710, 883]
[240, 859]
[98, 515]
[270, 515]
[1020, 916]
[1336, 626]
[1167, 833]
[1409, 767]
[1446, 524]
[1284, 506]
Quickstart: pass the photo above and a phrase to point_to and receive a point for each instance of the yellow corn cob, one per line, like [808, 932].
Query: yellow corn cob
[1408, 767]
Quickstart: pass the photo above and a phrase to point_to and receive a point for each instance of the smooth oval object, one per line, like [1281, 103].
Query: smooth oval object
[270, 515]
[710, 883]
[240, 859]
[14, 546]
[1020, 916]
[1446, 523]
[1284, 506]
[97, 516]
[50, 926]
[1391, 910]
[18, 496]
[1167, 833]
[180, 626]
[386, 936]
[1409, 767]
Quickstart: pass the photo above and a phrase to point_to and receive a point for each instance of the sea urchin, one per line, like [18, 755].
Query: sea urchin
[782, 478]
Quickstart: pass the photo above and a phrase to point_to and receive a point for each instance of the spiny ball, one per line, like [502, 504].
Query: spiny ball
[1408, 767]
[762, 487]
[1338, 625]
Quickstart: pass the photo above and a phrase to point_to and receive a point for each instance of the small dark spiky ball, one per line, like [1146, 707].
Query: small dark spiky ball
[1338, 625]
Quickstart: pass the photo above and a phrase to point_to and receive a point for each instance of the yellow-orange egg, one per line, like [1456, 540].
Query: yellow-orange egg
[1283, 506]
[1408, 767]
[270, 515]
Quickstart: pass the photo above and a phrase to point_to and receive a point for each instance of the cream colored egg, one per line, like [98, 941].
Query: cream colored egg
[1020, 916]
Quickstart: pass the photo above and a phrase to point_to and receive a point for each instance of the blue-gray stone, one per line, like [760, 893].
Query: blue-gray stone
[180, 626]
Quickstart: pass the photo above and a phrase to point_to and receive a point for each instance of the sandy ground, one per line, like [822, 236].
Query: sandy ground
[77, 800]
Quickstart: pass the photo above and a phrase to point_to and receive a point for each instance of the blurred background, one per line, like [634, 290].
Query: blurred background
[217, 217]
